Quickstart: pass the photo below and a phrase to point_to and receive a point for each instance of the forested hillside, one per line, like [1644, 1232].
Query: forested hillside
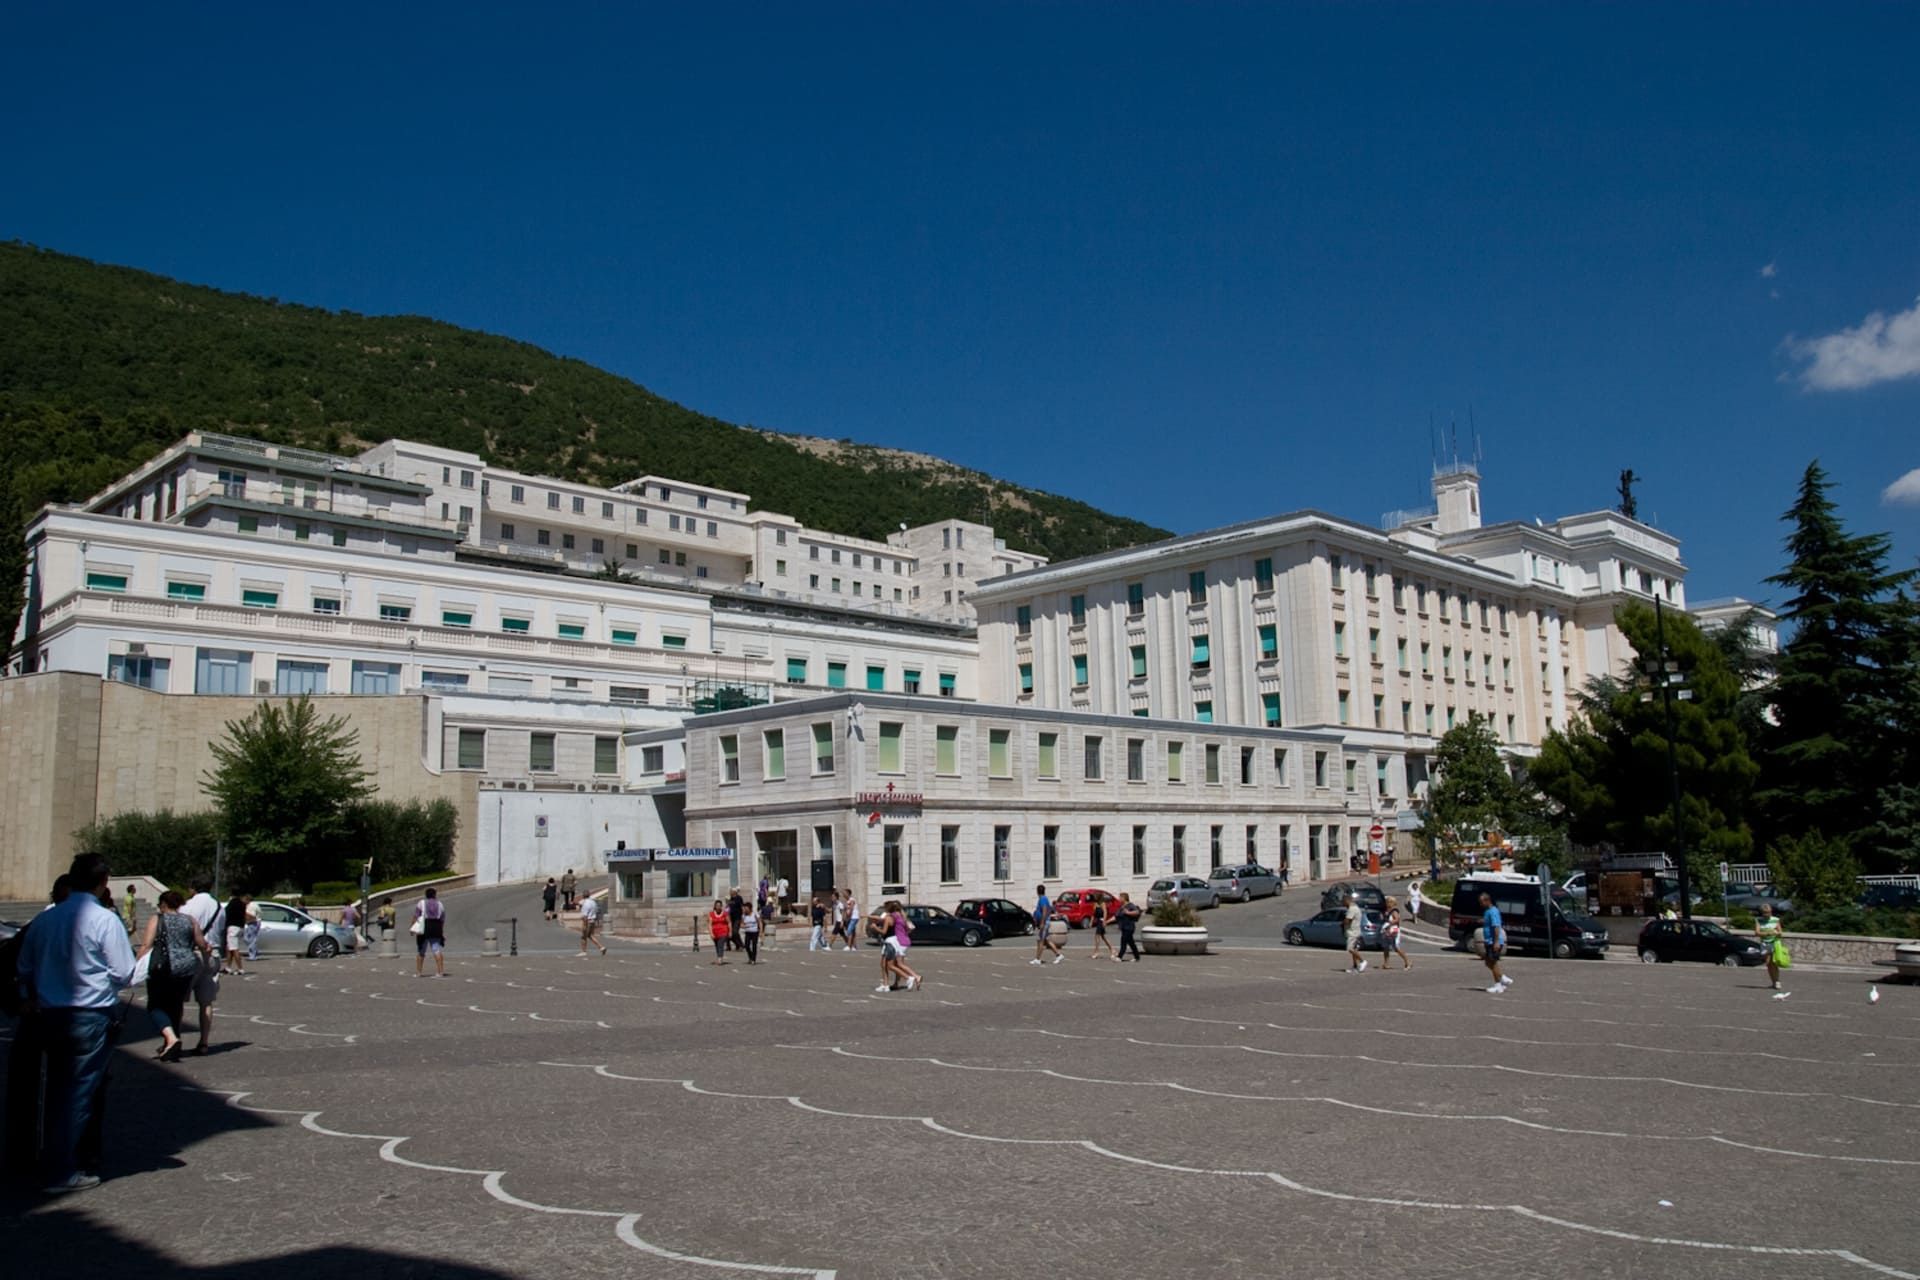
[100, 366]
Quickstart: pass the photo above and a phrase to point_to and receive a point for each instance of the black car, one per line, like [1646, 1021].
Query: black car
[1893, 897]
[1664, 941]
[1003, 917]
[939, 926]
[1370, 896]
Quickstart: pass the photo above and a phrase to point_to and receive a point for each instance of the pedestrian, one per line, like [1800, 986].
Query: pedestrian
[764, 888]
[817, 941]
[1354, 919]
[26, 1062]
[549, 900]
[1493, 938]
[1100, 932]
[786, 899]
[1390, 941]
[350, 919]
[590, 924]
[235, 919]
[252, 931]
[129, 909]
[853, 921]
[720, 926]
[204, 911]
[174, 947]
[1413, 901]
[1043, 918]
[568, 886]
[896, 931]
[1129, 921]
[750, 932]
[839, 933]
[1768, 929]
[429, 929]
[389, 918]
[736, 907]
[71, 968]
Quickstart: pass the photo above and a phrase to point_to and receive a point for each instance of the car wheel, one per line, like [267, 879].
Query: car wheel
[1649, 957]
[1026, 930]
[324, 949]
[1563, 951]
[971, 938]
[1731, 962]
[1296, 938]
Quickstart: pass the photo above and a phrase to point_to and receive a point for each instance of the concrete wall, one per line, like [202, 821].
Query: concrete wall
[580, 827]
[75, 748]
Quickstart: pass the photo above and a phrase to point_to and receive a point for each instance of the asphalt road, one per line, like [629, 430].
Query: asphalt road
[1256, 1112]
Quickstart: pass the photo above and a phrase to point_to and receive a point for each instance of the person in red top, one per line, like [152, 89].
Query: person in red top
[720, 925]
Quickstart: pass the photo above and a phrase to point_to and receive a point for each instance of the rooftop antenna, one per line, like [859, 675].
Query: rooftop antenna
[1433, 444]
[1475, 431]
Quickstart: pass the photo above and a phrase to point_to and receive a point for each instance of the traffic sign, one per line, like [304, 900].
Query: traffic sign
[1377, 839]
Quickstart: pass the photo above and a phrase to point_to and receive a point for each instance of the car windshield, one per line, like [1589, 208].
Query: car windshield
[1222, 873]
[1163, 884]
[1710, 930]
[934, 913]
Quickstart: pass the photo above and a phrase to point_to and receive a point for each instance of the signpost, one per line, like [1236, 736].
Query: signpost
[1376, 846]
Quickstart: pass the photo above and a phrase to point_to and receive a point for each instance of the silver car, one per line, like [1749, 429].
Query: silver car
[1328, 928]
[1244, 882]
[289, 931]
[1192, 890]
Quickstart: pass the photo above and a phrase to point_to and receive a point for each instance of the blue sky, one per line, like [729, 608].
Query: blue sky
[1190, 263]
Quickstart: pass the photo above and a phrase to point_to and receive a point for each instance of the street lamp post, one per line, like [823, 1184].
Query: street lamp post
[1667, 675]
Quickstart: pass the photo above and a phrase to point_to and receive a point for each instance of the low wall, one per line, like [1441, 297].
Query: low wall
[1832, 948]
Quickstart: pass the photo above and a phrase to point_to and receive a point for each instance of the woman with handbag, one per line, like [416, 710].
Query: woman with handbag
[1767, 928]
[174, 948]
[429, 931]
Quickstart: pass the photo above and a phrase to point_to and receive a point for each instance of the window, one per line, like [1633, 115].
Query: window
[376, 677]
[998, 763]
[1139, 851]
[1176, 761]
[1093, 759]
[327, 606]
[1213, 851]
[1203, 712]
[1339, 639]
[823, 748]
[1197, 587]
[1136, 759]
[1373, 643]
[1202, 654]
[599, 546]
[624, 636]
[1352, 767]
[579, 506]
[1180, 849]
[1023, 620]
[1429, 720]
[1246, 766]
[653, 759]
[1049, 852]
[627, 695]
[1136, 600]
[1047, 763]
[248, 524]
[1406, 716]
[540, 753]
[507, 532]
[729, 758]
[455, 618]
[774, 755]
[946, 750]
[111, 582]
[950, 853]
[836, 675]
[1253, 843]
[1320, 769]
[192, 591]
[520, 625]
[796, 670]
[673, 642]
[443, 681]
[1077, 608]
[909, 680]
[1379, 711]
[222, 671]
[1079, 670]
[1263, 574]
[472, 749]
[1380, 775]
[553, 502]
[1213, 764]
[1138, 656]
[1270, 709]
[876, 679]
[260, 599]
[293, 678]
[1370, 583]
[1446, 661]
[1345, 714]
[947, 681]
[1426, 658]
[141, 672]
[1400, 652]
[1269, 640]
[891, 758]
[1279, 766]
[780, 568]
[545, 538]
[1026, 677]
[1399, 595]
[566, 542]
[697, 885]
[1096, 853]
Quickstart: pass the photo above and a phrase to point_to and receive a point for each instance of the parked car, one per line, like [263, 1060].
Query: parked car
[1895, 897]
[289, 931]
[1754, 896]
[1370, 895]
[1192, 890]
[1328, 928]
[1529, 928]
[1004, 917]
[1664, 941]
[1244, 882]
[1076, 906]
[940, 927]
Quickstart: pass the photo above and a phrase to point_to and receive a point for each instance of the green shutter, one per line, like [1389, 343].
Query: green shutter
[260, 599]
[106, 582]
[186, 591]
[1139, 655]
[573, 631]
[1079, 670]
[673, 642]
[1270, 707]
[1175, 760]
[910, 680]
[946, 758]
[876, 679]
[625, 637]
[516, 624]
[997, 764]
[451, 618]
[796, 670]
[1269, 640]
[947, 684]
[1049, 763]
[836, 675]
[1079, 608]
[1026, 677]
[1202, 656]
[776, 740]
[890, 757]
[1203, 712]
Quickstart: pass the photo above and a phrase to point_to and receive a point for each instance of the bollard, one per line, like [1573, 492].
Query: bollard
[389, 946]
[490, 942]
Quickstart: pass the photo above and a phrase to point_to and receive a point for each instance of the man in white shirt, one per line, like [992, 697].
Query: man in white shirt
[590, 924]
[853, 922]
[74, 962]
[204, 909]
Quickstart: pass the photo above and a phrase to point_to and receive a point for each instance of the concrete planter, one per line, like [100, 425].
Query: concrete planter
[1168, 940]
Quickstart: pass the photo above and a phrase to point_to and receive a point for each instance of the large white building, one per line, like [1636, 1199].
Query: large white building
[600, 647]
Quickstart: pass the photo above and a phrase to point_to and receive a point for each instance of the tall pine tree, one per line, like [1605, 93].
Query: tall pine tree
[1830, 758]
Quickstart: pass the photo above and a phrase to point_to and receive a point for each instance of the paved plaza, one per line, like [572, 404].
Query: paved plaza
[1253, 1112]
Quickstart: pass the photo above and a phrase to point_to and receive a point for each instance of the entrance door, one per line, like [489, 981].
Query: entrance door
[778, 855]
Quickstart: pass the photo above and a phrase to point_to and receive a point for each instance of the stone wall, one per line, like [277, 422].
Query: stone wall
[75, 748]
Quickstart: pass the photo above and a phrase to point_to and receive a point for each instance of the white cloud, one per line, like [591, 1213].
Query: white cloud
[1769, 271]
[1881, 348]
[1904, 492]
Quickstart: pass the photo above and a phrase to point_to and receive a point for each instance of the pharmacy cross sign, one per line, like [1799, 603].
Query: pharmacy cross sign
[881, 801]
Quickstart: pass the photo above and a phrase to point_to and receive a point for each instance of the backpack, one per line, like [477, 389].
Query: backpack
[10, 1001]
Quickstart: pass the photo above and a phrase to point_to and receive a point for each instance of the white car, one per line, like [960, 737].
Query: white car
[289, 931]
[1192, 890]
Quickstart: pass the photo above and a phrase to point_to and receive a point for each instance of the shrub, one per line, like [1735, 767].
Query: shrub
[1740, 920]
[411, 840]
[1815, 872]
[171, 847]
[1175, 914]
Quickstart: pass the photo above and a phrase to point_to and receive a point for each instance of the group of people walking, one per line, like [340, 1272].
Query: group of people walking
[1392, 941]
[1051, 925]
[843, 911]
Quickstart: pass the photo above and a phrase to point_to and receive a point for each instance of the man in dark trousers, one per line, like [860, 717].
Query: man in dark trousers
[736, 908]
[568, 887]
[72, 967]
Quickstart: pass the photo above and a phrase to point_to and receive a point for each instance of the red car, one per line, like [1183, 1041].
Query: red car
[1078, 905]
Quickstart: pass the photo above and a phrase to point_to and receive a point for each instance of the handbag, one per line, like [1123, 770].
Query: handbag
[1781, 956]
[419, 925]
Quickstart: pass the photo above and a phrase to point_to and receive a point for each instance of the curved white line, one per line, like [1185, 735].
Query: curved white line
[1278, 1179]
[1375, 1010]
[492, 1181]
